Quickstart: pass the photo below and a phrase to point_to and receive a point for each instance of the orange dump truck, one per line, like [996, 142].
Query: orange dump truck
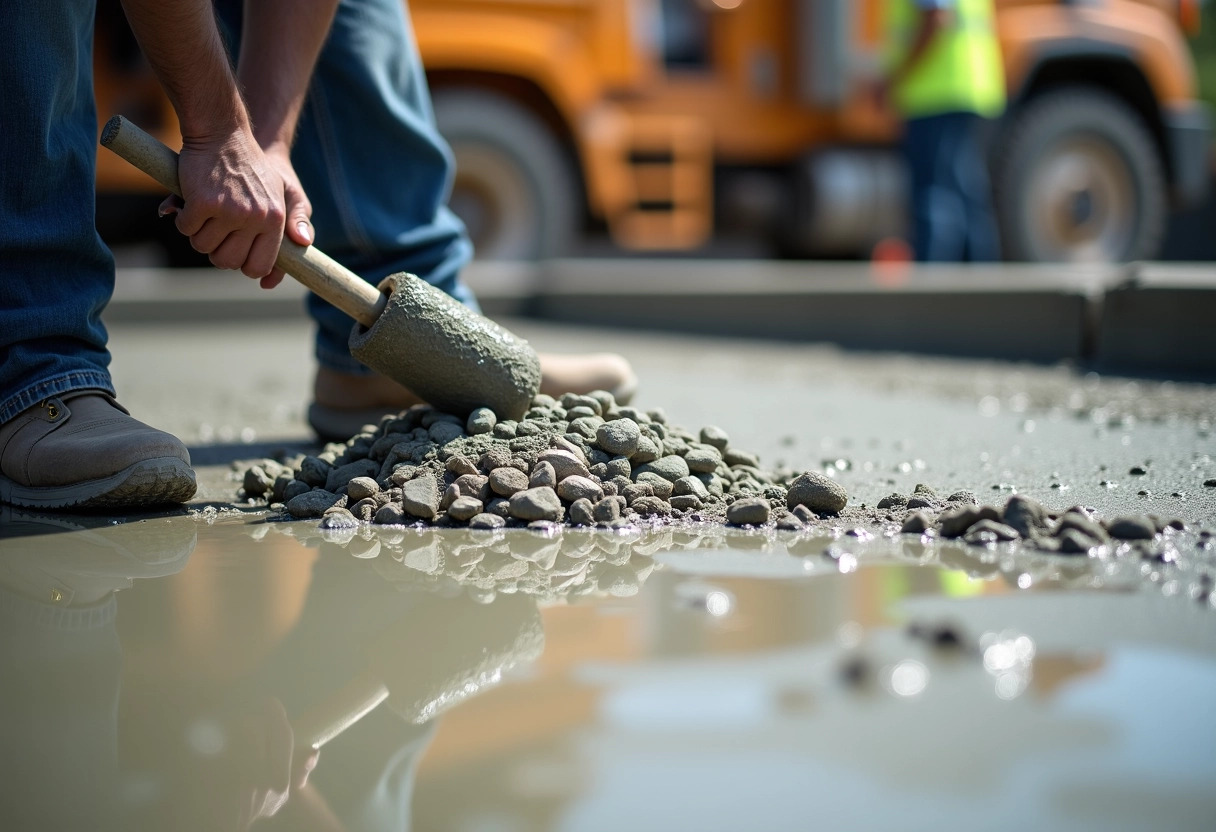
[670, 121]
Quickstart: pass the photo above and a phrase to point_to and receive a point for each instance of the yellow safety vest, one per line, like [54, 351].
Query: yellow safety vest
[962, 69]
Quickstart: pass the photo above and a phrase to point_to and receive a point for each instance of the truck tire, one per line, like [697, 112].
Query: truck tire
[514, 188]
[1078, 179]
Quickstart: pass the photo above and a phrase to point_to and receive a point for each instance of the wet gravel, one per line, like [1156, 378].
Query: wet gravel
[580, 460]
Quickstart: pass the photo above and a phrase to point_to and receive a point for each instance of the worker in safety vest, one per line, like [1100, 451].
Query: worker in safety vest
[945, 78]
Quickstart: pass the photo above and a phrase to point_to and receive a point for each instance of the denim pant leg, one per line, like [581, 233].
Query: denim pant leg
[938, 223]
[374, 166]
[971, 181]
[56, 275]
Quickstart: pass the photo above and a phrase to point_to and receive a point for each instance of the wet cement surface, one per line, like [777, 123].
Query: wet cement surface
[686, 678]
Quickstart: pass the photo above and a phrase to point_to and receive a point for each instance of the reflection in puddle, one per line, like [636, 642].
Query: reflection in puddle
[720, 678]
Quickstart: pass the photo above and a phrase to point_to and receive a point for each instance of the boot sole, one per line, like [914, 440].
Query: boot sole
[146, 484]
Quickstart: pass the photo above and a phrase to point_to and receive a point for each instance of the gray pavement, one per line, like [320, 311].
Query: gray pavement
[1144, 317]
[882, 422]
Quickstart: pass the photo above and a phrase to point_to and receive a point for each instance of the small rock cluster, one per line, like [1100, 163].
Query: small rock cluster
[1073, 532]
[581, 460]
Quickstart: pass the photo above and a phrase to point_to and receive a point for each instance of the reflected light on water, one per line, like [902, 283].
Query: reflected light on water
[1010, 658]
[206, 737]
[909, 678]
[718, 603]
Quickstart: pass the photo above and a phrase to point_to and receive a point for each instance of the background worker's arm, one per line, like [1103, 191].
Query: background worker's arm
[280, 42]
[234, 207]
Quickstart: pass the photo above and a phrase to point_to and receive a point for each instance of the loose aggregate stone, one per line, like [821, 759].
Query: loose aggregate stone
[422, 467]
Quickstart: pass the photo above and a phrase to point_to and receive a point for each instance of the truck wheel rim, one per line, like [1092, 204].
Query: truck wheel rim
[1082, 202]
[496, 202]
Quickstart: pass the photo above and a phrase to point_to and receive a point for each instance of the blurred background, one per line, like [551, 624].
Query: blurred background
[747, 128]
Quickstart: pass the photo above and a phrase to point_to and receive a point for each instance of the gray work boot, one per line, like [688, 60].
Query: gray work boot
[82, 450]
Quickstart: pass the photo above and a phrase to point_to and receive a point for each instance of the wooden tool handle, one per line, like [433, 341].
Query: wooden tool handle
[355, 700]
[328, 278]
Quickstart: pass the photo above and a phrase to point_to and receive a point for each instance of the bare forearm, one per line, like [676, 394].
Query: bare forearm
[280, 44]
[184, 47]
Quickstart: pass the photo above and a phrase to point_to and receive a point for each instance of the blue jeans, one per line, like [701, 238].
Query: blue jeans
[367, 154]
[951, 199]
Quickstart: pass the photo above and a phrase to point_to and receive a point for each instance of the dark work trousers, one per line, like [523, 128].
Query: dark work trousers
[951, 198]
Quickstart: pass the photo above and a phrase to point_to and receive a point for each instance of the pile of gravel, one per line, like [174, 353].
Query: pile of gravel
[581, 461]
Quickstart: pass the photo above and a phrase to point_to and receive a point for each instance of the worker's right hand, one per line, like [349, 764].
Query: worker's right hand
[299, 210]
[233, 207]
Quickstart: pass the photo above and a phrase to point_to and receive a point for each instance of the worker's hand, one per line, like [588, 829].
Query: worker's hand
[299, 210]
[233, 207]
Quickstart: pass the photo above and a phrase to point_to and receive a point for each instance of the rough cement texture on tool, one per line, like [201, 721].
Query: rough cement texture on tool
[446, 353]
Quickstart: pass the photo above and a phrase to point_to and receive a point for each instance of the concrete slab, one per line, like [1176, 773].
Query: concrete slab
[1025, 313]
[1161, 319]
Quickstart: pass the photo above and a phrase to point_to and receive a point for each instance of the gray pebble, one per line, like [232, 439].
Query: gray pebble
[804, 514]
[482, 420]
[487, 521]
[1076, 542]
[647, 451]
[442, 433]
[1083, 524]
[586, 426]
[916, 523]
[561, 443]
[715, 436]
[999, 530]
[419, 497]
[314, 471]
[651, 507]
[312, 503]
[703, 460]
[893, 501]
[564, 463]
[660, 487]
[580, 488]
[820, 494]
[472, 485]
[461, 465]
[390, 514]
[686, 502]
[750, 511]
[294, 489]
[690, 486]
[955, 522]
[507, 481]
[790, 523]
[465, 508]
[338, 518]
[543, 476]
[338, 477]
[257, 482]
[670, 468]
[581, 513]
[733, 457]
[361, 487]
[499, 506]
[1129, 528]
[505, 429]
[1026, 515]
[619, 437]
[536, 504]
[607, 510]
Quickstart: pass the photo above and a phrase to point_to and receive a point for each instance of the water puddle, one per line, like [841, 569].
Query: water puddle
[173, 672]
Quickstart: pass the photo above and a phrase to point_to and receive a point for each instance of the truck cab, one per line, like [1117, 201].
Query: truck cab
[670, 122]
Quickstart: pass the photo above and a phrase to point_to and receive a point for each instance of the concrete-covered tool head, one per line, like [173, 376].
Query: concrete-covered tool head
[446, 353]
